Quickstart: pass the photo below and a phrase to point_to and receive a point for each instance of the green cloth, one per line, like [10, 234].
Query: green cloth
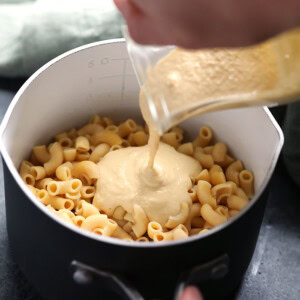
[33, 32]
[291, 148]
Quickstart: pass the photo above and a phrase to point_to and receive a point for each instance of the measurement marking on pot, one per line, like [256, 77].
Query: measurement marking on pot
[104, 61]
[118, 59]
[109, 77]
[91, 64]
[116, 76]
[123, 81]
[123, 75]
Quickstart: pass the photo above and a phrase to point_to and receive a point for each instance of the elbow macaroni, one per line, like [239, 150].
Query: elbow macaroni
[233, 171]
[170, 138]
[186, 149]
[62, 187]
[63, 177]
[206, 160]
[204, 138]
[41, 153]
[87, 168]
[211, 216]
[246, 180]
[99, 152]
[99, 224]
[140, 138]
[126, 128]
[153, 227]
[25, 172]
[195, 211]
[140, 221]
[63, 172]
[69, 154]
[56, 159]
[82, 144]
[106, 136]
[204, 194]
[85, 209]
[174, 221]
[216, 175]
[219, 152]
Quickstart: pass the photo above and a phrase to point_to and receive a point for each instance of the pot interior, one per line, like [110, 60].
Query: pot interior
[99, 78]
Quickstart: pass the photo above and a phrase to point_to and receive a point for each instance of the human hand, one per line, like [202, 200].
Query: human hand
[206, 24]
[191, 293]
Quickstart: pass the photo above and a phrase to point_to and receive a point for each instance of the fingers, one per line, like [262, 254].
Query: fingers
[191, 293]
[156, 22]
[127, 8]
[201, 24]
[141, 27]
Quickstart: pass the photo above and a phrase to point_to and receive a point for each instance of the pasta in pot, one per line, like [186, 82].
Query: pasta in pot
[64, 177]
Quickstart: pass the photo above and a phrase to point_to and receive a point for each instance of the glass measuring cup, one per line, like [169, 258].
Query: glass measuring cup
[144, 58]
[264, 74]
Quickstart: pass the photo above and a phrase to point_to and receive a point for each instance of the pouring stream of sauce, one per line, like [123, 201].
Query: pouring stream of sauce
[156, 177]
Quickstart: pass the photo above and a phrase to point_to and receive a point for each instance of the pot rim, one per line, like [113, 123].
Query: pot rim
[114, 241]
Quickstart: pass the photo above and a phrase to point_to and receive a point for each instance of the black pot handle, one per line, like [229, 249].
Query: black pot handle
[84, 274]
[214, 269]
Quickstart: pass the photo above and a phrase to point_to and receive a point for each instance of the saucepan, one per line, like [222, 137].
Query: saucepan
[64, 262]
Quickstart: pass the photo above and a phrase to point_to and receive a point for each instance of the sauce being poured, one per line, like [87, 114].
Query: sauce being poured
[156, 177]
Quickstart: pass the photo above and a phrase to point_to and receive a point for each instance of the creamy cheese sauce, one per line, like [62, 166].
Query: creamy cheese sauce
[126, 179]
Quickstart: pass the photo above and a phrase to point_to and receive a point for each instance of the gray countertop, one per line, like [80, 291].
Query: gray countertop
[274, 272]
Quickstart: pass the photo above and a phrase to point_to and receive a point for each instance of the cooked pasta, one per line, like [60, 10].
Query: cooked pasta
[25, 172]
[82, 144]
[180, 218]
[128, 227]
[153, 227]
[186, 149]
[219, 152]
[64, 174]
[126, 128]
[140, 138]
[41, 153]
[69, 154]
[106, 136]
[55, 160]
[65, 142]
[206, 160]
[99, 224]
[99, 152]
[85, 209]
[216, 175]
[170, 138]
[204, 138]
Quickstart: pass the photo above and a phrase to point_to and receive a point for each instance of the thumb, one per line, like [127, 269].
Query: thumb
[191, 293]
[127, 8]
